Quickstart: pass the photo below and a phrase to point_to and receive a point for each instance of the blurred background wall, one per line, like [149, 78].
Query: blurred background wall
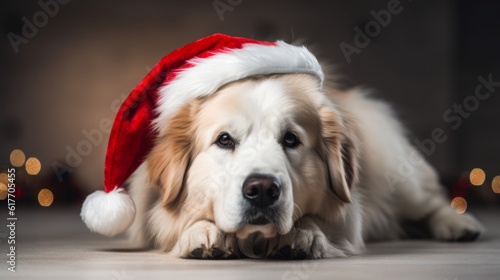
[67, 65]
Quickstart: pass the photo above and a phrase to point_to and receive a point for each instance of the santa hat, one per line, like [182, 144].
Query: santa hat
[190, 72]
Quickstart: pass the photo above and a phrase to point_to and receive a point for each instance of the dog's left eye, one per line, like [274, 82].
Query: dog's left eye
[225, 141]
[290, 140]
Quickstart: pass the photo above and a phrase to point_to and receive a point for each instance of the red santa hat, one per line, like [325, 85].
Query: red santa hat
[190, 72]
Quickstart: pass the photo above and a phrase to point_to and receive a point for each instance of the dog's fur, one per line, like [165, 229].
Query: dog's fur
[354, 177]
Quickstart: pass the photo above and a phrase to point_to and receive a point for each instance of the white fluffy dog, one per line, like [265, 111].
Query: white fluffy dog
[272, 166]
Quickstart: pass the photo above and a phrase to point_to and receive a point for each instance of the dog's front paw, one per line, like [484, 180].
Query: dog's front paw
[306, 241]
[449, 226]
[204, 240]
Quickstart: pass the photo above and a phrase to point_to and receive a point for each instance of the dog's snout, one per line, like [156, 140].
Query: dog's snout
[261, 190]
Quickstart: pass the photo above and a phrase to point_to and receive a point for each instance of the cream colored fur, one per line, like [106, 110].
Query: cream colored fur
[339, 187]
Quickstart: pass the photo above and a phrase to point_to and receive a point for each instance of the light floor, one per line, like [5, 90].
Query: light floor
[54, 244]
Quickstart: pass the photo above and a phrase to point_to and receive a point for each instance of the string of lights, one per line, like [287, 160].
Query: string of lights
[32, 167]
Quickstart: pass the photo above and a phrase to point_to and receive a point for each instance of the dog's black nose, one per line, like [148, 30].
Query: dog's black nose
[261, 190]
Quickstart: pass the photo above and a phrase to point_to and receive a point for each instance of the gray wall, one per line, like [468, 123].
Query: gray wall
[88, 56]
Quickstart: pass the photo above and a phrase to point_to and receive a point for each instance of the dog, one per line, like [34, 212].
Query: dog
[272, 166]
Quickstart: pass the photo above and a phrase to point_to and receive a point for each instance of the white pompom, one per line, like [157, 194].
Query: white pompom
[108, 213]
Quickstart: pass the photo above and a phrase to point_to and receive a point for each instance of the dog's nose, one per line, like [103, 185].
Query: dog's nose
[261, 190]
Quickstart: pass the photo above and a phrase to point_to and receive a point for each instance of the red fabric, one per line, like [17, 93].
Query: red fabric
[132, 136]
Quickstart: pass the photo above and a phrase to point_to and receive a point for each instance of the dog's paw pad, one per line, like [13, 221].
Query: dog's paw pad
[218, 253]
[287, 253]
[196, 253]
[209, 253]
[203, 240]
[468, 235]
[284, 253]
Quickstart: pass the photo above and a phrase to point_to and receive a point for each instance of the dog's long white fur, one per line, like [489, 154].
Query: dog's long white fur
[387, 190]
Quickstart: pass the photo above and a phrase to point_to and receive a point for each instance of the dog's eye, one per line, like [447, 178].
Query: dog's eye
[225, 141]
[290, 140]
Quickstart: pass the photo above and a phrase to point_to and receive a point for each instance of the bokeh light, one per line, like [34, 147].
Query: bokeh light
[33, 166]
[460, 204]
[3, 191]
[17, 158]
[477, 176]
[45, 197]
[495, 184]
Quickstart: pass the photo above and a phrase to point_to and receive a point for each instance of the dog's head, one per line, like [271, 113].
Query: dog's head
[256, 156]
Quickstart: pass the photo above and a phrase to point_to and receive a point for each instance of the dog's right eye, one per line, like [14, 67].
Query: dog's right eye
[225, 141]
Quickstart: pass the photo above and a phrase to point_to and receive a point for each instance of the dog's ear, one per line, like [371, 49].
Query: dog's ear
[341, 155]
[170, 158]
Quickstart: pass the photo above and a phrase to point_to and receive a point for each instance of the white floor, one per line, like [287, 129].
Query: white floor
[54, 244]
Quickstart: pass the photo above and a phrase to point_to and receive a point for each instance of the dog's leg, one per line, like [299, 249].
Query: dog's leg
[422, 198]
[204, 240]
[447, 225]
[307, 240]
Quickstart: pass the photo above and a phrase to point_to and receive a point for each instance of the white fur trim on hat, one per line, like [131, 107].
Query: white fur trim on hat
[209, 74]
[108, 213]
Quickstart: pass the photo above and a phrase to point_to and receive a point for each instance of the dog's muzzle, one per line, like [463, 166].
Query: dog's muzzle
[262, 211]
[261, 191]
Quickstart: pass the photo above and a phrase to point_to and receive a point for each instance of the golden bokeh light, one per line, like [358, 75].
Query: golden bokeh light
[33, 166]
[45, 197]
[495, 184]
[17, 158]
[460, 204]
[3, 191]
[477, 176]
